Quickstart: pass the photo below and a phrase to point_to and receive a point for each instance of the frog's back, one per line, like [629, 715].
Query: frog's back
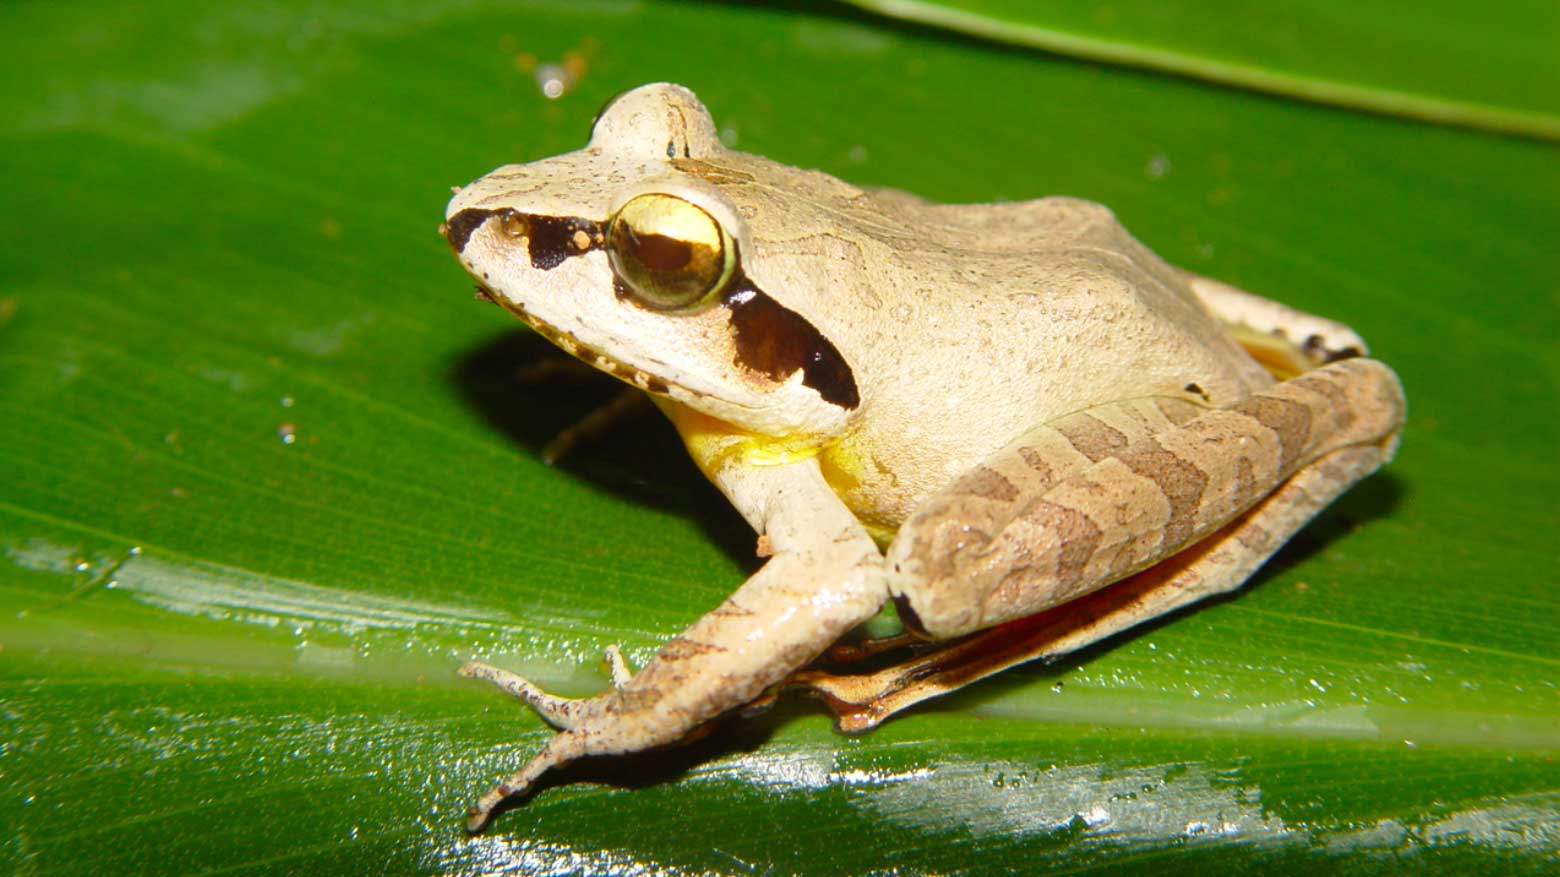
[1021, 314]
[1067, 307]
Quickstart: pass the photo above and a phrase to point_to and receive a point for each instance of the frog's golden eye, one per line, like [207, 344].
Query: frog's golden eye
[669, 252]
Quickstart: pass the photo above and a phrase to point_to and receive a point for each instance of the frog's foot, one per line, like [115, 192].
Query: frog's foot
[618, 666]
[563, 748]
[862, 701]
[560, 712]
[851, 653]
[596, 425]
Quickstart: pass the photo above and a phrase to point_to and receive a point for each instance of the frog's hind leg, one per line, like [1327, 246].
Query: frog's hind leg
[964, 567]
[1037, 577]
[1218, 564]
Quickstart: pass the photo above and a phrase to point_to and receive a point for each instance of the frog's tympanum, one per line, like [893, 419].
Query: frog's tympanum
[1012, 420]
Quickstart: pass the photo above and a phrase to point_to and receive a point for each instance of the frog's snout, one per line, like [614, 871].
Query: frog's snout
[460, 227]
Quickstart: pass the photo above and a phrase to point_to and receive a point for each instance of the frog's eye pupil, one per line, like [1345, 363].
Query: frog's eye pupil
[669, 252]
[661, 253]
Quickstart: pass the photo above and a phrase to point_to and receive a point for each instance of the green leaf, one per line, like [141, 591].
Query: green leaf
[269, 475]
[1490, 67]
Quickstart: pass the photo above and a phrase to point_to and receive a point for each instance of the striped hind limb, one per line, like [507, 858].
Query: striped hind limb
[1015, 554]
[1137, 503]
[1218, 564]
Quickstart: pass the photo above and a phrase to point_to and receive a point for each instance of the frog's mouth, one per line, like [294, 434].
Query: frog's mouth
[576, 348]
[549, 241]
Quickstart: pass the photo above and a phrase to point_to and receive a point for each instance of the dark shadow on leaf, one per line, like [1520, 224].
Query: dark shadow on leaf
[1374, 498]
[641, 459]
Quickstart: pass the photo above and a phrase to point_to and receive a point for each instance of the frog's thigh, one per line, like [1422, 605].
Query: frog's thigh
[947, 534]
[1219, 563]
[968, 562]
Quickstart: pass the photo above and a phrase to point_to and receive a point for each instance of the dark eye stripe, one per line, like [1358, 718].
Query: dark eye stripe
[771, 339]
[553, 239]
[460, 227]
[549, 239]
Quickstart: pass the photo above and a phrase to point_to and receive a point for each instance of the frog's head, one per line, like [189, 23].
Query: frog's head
[629, 255]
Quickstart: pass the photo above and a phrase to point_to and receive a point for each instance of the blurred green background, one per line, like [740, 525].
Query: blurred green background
[269, 474]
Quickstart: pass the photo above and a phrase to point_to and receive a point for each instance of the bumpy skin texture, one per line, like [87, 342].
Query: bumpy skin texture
[1020, 401]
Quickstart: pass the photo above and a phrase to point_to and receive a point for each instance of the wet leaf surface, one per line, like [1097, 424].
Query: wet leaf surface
[270, 475]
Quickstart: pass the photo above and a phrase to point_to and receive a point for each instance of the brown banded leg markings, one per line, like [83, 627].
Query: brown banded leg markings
[1218, 564]
[1337, 424]
[953, 530]
[1139, 504]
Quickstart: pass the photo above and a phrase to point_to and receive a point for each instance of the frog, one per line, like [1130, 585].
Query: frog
[1011, 423]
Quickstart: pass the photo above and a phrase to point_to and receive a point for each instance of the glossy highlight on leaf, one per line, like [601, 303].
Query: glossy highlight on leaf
[270, 474]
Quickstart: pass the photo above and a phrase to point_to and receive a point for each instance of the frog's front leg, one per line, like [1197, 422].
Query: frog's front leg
[825, 577]
[560, 712]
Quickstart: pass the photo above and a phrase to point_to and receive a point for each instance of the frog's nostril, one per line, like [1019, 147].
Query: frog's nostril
[461, 226]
